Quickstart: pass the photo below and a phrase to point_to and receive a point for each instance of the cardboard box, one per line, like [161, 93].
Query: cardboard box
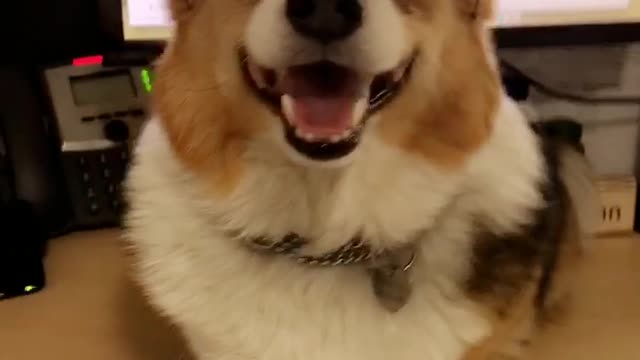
[618, 201]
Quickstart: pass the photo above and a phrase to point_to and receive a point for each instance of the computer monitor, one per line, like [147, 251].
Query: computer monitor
[517, 21]
[536, 13]
[146, 20]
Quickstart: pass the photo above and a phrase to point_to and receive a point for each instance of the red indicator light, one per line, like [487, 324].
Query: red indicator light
[88, 60]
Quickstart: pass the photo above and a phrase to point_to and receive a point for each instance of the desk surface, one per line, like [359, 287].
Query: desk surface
[91, 311]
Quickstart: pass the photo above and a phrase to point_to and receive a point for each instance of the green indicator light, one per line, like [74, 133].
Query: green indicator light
[29, 288]
[145, 75]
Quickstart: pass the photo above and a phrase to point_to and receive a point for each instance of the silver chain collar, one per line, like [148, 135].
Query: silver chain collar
[352, 253]
[388, 270]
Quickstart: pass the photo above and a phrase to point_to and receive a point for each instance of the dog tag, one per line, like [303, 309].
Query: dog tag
[390, 276]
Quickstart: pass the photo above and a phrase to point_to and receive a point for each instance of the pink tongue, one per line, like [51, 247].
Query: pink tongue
[323, 96]
[322, 116]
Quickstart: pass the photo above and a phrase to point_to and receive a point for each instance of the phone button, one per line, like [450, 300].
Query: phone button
[104, 116]
[116, 131]
[91, 194]
[94, 208]
[88, 118]
[116, 205]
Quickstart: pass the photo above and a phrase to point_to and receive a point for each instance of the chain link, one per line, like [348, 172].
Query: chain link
[353, 252]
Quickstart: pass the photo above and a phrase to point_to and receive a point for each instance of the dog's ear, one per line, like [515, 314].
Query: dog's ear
[476, 10]
[182, 10]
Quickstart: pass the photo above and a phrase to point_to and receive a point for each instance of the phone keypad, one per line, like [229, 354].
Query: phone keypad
[94, 179]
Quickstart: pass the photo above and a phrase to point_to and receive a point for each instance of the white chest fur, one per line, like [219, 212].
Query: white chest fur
[234, 304]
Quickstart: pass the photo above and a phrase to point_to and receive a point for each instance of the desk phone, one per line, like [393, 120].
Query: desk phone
[98, 112]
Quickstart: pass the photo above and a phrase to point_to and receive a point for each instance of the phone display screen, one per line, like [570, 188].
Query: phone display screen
[106, 87]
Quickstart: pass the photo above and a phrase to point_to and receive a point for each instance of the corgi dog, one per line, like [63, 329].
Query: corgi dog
[347, 180]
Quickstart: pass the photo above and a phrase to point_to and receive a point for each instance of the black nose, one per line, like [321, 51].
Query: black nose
[325, 20]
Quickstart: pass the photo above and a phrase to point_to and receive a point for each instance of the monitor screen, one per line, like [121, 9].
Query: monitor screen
[149, 19]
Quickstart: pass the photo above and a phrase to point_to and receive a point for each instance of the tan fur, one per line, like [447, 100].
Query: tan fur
[448, 128]
[447, 124]
[208, 113]
[448, 120]
[454, 120]
[477, 9]
[182, 10]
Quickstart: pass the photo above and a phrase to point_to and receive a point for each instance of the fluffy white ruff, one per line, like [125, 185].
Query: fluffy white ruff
[235, 304]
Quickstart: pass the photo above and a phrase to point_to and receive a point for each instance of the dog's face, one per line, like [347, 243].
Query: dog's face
[318, 76]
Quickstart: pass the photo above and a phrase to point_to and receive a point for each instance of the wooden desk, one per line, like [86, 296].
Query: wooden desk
[90, 311]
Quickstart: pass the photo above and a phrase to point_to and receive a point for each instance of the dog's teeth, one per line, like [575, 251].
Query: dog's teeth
[345, 134]
[335, 138]
[398, 74]
[299, 134]
[359, 111]
[286, 102]
[309, 137]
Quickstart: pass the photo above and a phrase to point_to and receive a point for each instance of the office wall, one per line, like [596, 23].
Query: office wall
[611, 132]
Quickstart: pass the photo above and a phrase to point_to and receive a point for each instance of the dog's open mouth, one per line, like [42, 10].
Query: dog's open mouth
[324, 106]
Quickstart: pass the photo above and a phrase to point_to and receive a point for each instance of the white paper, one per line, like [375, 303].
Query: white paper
[148, 13]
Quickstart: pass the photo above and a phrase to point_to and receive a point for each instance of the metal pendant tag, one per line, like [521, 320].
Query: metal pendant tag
[390, 277]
